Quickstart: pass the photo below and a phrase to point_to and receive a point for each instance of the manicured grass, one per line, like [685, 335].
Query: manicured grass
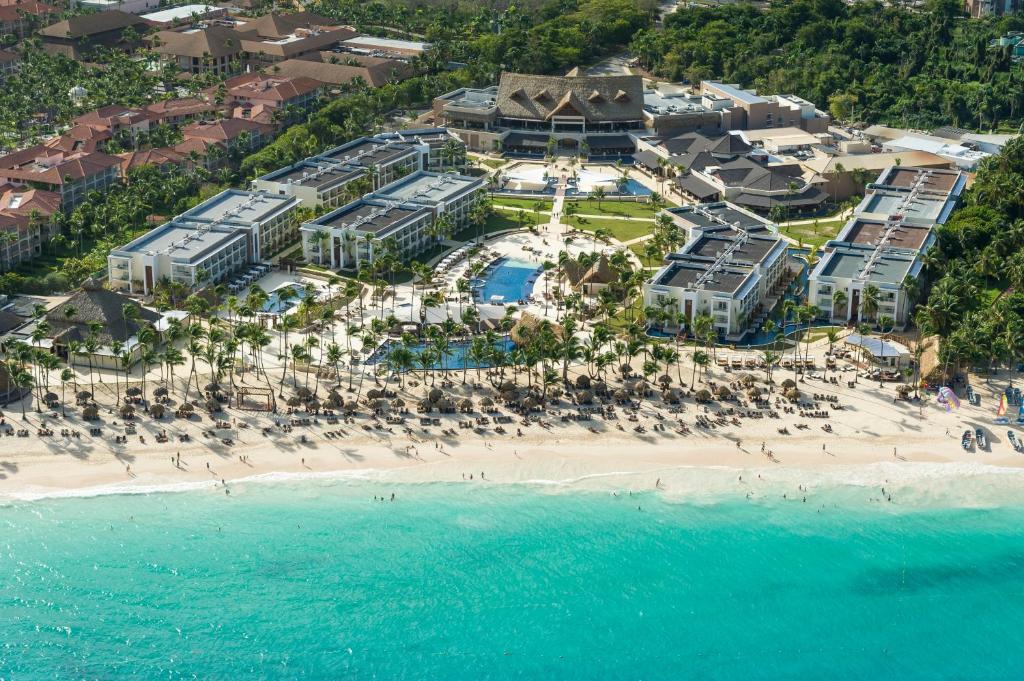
[611, 208]
[623, 230]
[492, 162]
[814, 235]
[525, 204]
[498, 222]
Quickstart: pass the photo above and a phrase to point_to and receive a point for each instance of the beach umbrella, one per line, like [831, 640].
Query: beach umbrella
[313, 405]
[293, 401]
[186, 407]
[723, 391]
[703, 395]
[335, 401]
[753, 392]
[90, 412]
[351, 407]
[789, 383]
[642, 387]
[583, 381]
[625, 369]
[555, 393]
[665, 380]
[621, 395]
[673, 395]
[487, 402]
[600, 388]
[160, 392]
[304, 393]
[792, 394]
[379, 403]
[212, 387]
[157, 411]
[213, 406]
[444, 404]
[747, 380]
[466, 404]
[426, 405]
[127, 411]
[134, 391]
[50, 398]
[83, 395]
[435, 395]
[585, 397]
[507, 386]
[398, 403]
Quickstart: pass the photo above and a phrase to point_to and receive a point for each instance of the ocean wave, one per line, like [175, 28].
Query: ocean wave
[916, 484]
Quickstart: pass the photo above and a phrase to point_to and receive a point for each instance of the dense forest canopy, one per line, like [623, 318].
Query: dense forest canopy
[533, 37]
[977, 301]
[865, 61]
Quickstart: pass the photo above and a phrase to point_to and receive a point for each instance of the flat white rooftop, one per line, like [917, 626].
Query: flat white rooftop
[237, 206]
[178, 13]
[179, 241]
[429, 187]
[370, 42]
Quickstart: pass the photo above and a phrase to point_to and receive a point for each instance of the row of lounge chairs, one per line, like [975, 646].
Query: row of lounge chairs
[242, 282]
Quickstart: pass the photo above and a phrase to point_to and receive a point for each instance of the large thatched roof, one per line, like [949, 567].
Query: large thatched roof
[596, 98]
[92, 303]
[528, 325]
[600, 272]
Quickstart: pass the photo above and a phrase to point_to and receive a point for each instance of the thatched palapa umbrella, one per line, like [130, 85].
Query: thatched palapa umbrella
[703, 395]
[723, 392]
[213, 406]
[665, 380]
[293, 401]
[91, 412]
[127, 411]
[583, 382]
[133, 391]
[157, 411]
[789, 383]
[792, 394]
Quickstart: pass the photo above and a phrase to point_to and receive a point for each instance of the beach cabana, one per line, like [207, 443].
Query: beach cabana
[885, 352]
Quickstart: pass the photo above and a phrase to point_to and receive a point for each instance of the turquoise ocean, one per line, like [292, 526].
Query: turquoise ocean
[313, 579]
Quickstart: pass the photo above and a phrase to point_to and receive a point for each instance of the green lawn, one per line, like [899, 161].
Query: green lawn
[492, 162]
[499, 222]
[814, 235]
[633, 209]
[623, 230]
[525, 204]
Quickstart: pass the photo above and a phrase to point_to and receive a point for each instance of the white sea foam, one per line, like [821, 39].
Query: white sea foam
[915, 484]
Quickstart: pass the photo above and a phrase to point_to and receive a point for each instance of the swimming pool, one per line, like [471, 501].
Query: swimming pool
[458, 357]
[275, 305]
[587, 181]
[508, 282]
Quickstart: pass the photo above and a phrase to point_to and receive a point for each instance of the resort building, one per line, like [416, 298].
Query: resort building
[71, 175]
[342, 69]
[750, 111]
[76, 37]
[269, 220]
[18, 19]
[314, 184]
[384, 47]
[209, 49]
[591, 115]
[207, 243]
[180, 252]
[445, 193]
[351, 236]
[386, 161]
[9, 62]
[879, 250]
[734, 267]
[402, 213]
[281, 92]
[324, 181]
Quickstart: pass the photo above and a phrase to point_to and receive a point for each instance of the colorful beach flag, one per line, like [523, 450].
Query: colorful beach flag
[1003, 404]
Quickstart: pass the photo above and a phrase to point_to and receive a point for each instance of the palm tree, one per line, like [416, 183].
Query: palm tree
[869, 302]
[700, 359]
[839, 300]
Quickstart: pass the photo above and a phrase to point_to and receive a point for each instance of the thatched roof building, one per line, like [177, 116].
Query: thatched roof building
[92, 303]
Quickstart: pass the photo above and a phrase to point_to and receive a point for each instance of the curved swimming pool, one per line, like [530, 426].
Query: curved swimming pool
[506, 282]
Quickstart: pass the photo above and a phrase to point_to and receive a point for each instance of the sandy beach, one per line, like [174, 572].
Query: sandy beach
[870, 429]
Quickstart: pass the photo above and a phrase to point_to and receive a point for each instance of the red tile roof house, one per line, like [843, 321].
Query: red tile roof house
[283, 92]
[71, 175]
[114, 119]
[79, 138]
[175, 112]
[163, 158]
[25, 223]
[231, 132]
[19, 18]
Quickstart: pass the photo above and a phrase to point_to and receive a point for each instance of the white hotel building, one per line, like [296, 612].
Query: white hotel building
[207, 243]
[882, 244]
[733, 267]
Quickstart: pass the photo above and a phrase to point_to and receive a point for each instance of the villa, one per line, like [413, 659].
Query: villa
[882, 244]
[734, 267]
[72, 175]
[207, 243]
